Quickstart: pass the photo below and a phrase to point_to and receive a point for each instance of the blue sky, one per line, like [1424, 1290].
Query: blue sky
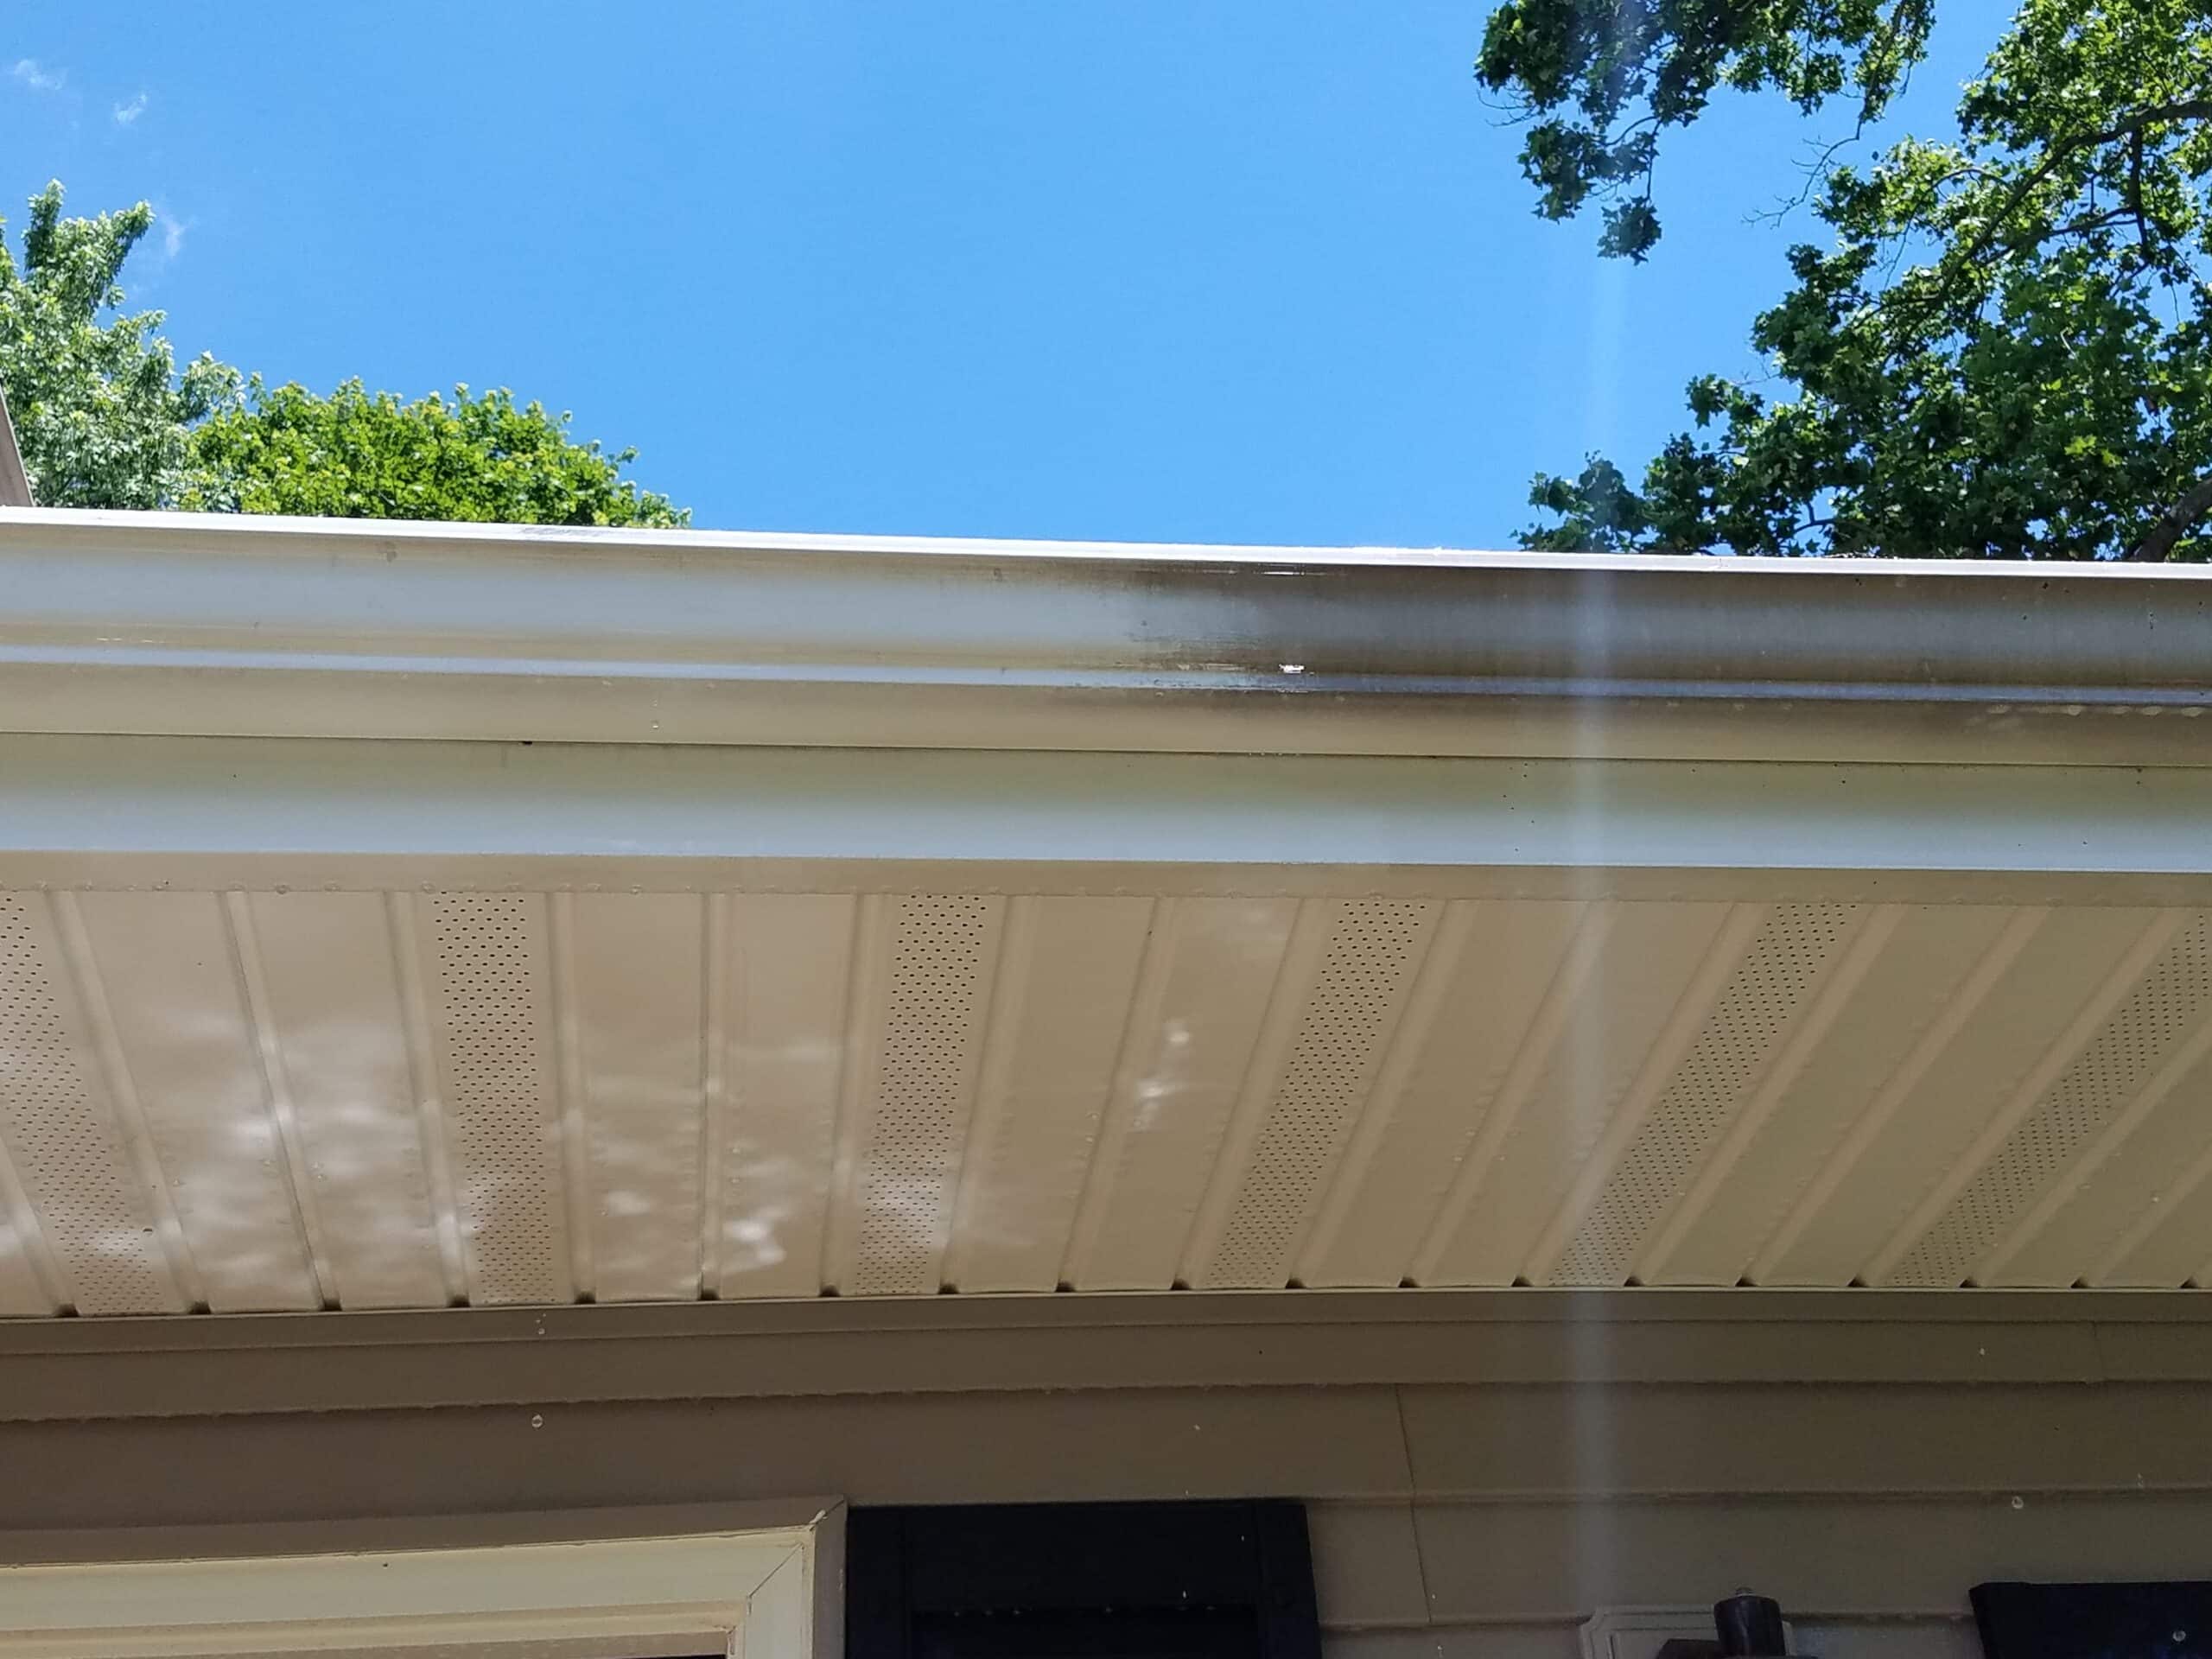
[1239, 271]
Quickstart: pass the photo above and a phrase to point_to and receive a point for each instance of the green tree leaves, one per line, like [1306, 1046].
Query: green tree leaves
[104, 418]
[357, 455]
[1600, 80]
[2005, 352]
[100, 413]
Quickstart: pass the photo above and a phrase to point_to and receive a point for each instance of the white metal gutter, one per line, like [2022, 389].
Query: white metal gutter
[162, 624]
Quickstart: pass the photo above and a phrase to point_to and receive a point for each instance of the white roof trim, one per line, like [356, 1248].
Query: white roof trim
[188, 625]
[227, 814]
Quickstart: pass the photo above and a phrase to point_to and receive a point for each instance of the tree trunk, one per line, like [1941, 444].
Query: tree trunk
[2173, 524]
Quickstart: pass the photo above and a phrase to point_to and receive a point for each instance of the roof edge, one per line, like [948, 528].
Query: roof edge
[182, 624]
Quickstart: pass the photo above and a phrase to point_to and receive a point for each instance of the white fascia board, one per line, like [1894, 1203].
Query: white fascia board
[200, 625]
[209, 812]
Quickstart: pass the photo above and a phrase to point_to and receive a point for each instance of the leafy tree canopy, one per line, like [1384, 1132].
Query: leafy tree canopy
[357, 455]
[101, 415]
[2006, 349]
[105, 419]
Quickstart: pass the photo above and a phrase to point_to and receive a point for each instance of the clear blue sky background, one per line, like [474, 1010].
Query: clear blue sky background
[1249, 271]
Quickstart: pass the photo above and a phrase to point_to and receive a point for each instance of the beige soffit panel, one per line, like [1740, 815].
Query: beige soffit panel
[1201, 1002]
[778, 969]
[1336, 1004]
[1646, 1160]
[2048, 1001]
[77, 1160]
[2175, 1229]
[23, 1292]
[1912, 975]
[923, 994]
[1049, 1064]
[347, 1054]
[485, 959]
[1642, 988]
[175, 1001]
[630, 984]
[1493, 971]
[251, 1101]
[2031, 1158]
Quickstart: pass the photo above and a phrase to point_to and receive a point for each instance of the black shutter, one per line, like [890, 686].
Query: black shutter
[1195, 1580]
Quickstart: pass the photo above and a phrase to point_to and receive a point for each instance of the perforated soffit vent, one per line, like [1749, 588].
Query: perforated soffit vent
[1223, 1093]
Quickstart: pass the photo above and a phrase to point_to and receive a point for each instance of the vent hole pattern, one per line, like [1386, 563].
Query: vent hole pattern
[1701, 1099]
[1363, 978]
[2095, 1088]
[922, 1090]
[489, 983]
[62, 1141]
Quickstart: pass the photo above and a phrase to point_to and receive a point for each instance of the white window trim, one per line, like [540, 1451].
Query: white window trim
[764, 1592]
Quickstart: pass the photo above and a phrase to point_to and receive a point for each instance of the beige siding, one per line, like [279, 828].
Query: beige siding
[1456, 1523]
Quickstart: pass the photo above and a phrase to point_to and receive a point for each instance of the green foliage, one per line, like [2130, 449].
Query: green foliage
[1600, 80]
[104, 418]
[358, 455]
[2006, 352]
[100, 413]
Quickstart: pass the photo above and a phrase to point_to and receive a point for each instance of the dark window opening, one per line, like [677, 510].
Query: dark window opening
[1186, 1580]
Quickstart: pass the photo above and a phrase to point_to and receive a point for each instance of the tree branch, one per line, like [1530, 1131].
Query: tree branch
[1947, 269]
[2135, 189]
[2195, 108]
[2173, 524]
[1815, 173]
[2079, 227]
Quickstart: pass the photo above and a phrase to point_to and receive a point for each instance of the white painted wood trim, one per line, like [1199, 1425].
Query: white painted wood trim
[769, 1593]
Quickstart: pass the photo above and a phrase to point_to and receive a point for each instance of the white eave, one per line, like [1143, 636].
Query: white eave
[395, 916]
